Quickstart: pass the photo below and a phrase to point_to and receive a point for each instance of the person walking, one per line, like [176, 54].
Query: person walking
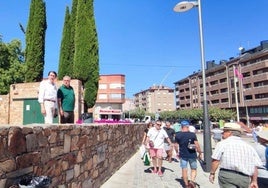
[237, 160]
[47, 97]
[188, 146]
[66, 101]
[171, 134]
[262, 150]
[156, 136]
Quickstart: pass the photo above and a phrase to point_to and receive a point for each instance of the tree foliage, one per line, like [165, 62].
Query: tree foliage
[35, 41]
[86, 59]
[12, 67]
[195, 115]
[66, 57]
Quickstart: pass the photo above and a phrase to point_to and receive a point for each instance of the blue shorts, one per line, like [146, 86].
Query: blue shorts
[184, 162]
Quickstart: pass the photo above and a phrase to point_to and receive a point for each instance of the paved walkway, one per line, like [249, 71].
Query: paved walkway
[134, 174]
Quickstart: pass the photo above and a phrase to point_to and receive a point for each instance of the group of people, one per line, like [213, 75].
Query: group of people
[54, 101]
[237, 163]
[160, 138]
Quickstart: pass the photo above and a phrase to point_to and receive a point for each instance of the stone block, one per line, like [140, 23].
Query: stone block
[16, 141]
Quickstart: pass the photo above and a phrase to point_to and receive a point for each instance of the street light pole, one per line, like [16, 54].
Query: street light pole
[182, 7]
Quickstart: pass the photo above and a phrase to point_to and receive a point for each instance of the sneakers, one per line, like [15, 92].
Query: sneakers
[160, 173]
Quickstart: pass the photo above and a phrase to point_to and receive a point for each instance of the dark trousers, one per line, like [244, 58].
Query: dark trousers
[68, 117]
[233, 179]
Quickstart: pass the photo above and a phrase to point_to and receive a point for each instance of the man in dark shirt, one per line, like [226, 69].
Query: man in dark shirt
[171, 134]
[188, 146]
[66, 101]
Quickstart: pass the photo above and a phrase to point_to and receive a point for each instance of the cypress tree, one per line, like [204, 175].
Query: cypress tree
[35, 41]
[86, 59]
[66, 58]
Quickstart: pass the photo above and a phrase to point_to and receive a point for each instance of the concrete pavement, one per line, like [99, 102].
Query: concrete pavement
[134, 174]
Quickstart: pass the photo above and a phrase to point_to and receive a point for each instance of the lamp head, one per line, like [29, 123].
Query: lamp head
[185, 6]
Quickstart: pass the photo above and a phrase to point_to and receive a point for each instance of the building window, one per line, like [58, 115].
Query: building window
[116, 96]
[261, 96]
[117, 86]
[102, 86]
[224, 90]
[102, 96]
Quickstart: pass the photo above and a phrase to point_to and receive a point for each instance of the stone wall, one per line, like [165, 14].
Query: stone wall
[74, 156]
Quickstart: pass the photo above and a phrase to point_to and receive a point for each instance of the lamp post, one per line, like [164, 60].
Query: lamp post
[183, 7]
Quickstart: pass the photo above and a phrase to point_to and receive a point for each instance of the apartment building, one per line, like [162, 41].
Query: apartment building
[155, 99]
[110, 97]
[241, 84]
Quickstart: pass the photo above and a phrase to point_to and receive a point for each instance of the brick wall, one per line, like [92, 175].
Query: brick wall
[74, 156]
[4, 109]
[11, 105]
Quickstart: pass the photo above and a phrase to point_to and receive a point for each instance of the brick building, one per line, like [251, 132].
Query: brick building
[155, 99]
[240, 81]
[110, 98]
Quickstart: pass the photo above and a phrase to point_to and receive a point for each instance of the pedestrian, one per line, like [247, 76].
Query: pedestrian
[188, 146]
[66, 101]
[171, 134]
[145, 140]
[262, 150]
[217, 134]
[156, 136]
[177, 128]
[237, 161]
[47, 97]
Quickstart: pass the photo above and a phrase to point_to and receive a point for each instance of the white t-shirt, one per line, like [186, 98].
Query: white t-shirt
[158, 137]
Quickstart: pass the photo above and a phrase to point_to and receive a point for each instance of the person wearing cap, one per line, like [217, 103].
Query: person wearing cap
[236, 159]
[262, 150]
[188, 146]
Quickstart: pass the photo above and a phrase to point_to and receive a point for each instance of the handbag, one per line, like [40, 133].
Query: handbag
[191, 146]
[151, 142]
[142, 150]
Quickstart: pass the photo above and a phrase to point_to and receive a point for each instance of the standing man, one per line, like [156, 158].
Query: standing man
[171, 134]
[262, 149]
[188, 146]
[237, 160]
[47, 97]
[66, 101]
[156, 136]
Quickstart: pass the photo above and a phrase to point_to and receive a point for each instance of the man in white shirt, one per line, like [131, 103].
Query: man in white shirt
[156, 136]
[237, 160]
[262, 149]
[47, 97]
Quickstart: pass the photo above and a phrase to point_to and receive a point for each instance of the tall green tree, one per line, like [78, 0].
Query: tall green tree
[35, 41]
[12, 67]
[86, 57]
[68, 44]
[66, 58]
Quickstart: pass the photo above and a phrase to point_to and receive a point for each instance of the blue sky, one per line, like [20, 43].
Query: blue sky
[146, 40]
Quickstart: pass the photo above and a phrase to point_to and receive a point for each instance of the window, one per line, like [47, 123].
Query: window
[115, 96]
[117, 86]
[102, 86]
[102, 96]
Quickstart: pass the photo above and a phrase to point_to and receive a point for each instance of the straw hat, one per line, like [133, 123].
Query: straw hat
[263, 134]
[232, 127]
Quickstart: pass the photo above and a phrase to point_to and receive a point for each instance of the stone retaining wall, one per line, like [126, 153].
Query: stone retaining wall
[74, 156]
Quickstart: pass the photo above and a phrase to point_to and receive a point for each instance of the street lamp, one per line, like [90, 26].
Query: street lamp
[183, 7]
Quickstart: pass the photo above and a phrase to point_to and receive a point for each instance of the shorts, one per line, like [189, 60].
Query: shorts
[192, 162]
[156, 152]
[167, 146]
